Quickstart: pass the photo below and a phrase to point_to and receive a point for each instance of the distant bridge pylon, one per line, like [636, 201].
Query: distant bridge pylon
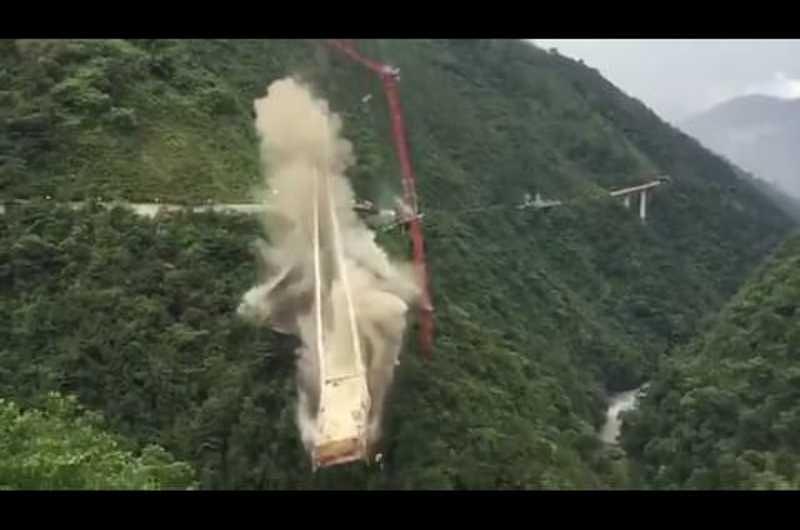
[642, 190]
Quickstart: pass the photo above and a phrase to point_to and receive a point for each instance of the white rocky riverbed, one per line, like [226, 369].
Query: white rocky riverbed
[617, 404]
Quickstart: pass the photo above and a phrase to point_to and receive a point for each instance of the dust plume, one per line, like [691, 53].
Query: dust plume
[315, 237]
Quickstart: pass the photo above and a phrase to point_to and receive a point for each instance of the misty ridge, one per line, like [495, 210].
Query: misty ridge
[759, 133]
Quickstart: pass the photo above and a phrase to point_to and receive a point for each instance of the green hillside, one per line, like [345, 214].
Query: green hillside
[540, 313]
[61, 447]
[723, 412]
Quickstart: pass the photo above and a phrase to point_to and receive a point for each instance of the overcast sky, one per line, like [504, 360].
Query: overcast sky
[677, 78]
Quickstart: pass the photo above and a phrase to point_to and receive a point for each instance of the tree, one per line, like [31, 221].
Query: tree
[60, 446]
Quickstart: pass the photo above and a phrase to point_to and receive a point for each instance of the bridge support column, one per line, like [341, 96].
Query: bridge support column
[643, 206]
[627, 201]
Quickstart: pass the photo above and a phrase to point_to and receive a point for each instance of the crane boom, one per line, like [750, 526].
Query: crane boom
[390, 76]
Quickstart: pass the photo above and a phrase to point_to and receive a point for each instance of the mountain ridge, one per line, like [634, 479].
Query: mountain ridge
[758, 133]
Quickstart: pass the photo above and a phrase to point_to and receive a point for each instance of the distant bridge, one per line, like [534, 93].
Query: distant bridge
[626, 193]
[390, 218]
[642, 190]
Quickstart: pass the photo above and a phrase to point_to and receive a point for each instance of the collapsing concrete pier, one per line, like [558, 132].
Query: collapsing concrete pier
[326, 280]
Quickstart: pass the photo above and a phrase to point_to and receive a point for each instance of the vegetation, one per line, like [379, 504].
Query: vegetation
[539, 313]
[724, 412]
[59, 447]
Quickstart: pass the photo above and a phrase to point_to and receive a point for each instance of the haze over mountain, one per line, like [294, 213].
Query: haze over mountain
[757, 132]
[679, 78]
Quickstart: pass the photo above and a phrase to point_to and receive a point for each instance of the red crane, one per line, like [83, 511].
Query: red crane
[390, 77]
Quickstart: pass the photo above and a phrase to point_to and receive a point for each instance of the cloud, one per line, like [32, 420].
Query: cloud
[680, 77]
[780, 85]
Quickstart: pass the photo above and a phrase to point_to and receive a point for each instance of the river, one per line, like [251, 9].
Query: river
[617, 404]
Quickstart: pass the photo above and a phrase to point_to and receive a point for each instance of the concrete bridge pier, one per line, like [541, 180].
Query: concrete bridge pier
[643, 206]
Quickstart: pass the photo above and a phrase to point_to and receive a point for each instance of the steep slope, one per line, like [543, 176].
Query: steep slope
[759, 133]
[723, 413]
[539, 313]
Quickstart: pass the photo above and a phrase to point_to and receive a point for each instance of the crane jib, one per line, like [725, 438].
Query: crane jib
[389, 76]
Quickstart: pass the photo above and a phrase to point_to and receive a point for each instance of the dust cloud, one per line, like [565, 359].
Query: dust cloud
[321, 265]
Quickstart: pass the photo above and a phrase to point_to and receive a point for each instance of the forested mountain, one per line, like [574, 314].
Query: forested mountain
[723, 412]
[540, 313]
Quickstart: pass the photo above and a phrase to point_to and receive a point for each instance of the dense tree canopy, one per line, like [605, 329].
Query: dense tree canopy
[724, 411]
[61, 447]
